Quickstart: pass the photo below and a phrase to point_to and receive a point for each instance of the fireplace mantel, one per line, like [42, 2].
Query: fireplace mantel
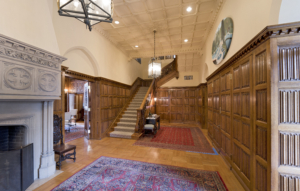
[30, 81]
[28, 72]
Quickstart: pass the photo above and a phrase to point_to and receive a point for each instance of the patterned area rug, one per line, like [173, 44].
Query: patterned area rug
[75, 133]
[178, 138]
[118, 174]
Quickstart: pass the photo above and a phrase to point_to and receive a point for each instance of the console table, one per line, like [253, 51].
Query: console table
[154, 120]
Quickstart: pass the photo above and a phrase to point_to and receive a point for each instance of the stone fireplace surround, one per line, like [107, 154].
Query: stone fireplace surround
[30, 81]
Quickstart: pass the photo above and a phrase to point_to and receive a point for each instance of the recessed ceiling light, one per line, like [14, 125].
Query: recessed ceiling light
[189, 9]
[117, 22]
[186, 40]
[136, 46]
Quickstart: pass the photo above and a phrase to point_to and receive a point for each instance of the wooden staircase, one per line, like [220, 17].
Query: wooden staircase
[168, 72]
[126, 124]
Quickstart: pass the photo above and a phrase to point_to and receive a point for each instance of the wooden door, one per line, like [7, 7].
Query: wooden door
[86, 110]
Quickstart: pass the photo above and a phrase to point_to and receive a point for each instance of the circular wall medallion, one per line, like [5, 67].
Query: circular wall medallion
[47, 82]
[18, 78]
[222, 40]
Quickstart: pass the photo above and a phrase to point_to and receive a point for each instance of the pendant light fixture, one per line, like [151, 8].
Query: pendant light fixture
[89, 12]
[154, 66]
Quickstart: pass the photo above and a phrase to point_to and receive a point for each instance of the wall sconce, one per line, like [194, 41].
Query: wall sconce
[155, 99]
[66, 90]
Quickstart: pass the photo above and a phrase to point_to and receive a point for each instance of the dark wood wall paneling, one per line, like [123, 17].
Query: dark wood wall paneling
[182, 105]
[109, 97]
[238, 111]
[243, 114]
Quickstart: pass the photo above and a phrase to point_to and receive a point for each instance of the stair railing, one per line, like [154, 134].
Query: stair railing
[168, 72]
[143, 111]
[173, 66]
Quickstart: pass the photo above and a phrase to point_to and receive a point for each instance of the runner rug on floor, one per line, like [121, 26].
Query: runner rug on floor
[178, 138]
[119, 174]
[74, 133]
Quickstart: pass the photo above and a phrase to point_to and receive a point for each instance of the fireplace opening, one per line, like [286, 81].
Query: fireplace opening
[16, 159]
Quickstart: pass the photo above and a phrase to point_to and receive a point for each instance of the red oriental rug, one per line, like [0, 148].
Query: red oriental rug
[74, 133]
[111, 174]
[189, 139]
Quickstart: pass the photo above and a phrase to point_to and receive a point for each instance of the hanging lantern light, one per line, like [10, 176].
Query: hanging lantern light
[89, 12]
[154, 66]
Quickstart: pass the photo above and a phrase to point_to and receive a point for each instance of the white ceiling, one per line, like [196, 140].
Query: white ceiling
[138, 19]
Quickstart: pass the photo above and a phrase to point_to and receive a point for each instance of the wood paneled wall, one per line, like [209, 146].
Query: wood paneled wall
[201, 105]
[243, 114]
[110, 98]
[182, 104]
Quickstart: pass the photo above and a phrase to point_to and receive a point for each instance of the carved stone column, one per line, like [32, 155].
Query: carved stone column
[48, 166]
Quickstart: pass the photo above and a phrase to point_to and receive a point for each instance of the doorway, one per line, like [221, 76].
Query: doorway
[77, 108]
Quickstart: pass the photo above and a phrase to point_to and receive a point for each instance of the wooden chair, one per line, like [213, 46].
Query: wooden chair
[60, 148]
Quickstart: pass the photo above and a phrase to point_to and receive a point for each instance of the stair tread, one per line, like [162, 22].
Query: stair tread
[122, 127]
[129, 123]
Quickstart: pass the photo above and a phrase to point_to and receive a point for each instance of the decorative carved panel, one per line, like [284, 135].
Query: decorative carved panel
[261, 105]
[237, 131]
[289, 64]
[261, 68]
[290, 149]
[261, 142]
[246, 135]
[236, 78]
[236, 104]
[289, 106]
[246, 104]
[245, 78]
[289, 182]
[261, 178]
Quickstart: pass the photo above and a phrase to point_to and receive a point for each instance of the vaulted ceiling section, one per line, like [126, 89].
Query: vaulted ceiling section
[174, 24]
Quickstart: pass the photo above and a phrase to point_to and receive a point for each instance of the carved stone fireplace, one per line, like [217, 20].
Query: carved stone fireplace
[30, 80]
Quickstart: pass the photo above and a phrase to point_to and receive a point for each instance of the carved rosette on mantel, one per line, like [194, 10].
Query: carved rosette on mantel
[30, 78]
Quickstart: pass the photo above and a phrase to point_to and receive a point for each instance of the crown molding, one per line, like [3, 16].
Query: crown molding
[165, 52]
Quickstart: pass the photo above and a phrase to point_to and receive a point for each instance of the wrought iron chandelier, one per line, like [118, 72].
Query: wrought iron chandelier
[89, 12]
[154, 66]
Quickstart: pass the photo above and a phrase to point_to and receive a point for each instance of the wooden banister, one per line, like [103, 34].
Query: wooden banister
[171, 68]
[141, 112]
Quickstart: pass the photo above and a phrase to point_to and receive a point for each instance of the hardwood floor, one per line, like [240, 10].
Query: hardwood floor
[90, 150]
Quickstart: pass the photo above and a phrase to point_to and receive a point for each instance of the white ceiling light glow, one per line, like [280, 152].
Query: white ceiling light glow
[189, 9]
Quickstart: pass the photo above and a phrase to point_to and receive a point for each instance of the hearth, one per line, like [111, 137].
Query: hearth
[16, 159]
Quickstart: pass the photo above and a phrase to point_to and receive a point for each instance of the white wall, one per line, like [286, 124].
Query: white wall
[29, 22]
[145, 63]
[184, 83]
[289, 11]
[90, 52]
[249, 18]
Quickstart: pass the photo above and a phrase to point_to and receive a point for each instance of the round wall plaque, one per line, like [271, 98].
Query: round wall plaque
[222, 40]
